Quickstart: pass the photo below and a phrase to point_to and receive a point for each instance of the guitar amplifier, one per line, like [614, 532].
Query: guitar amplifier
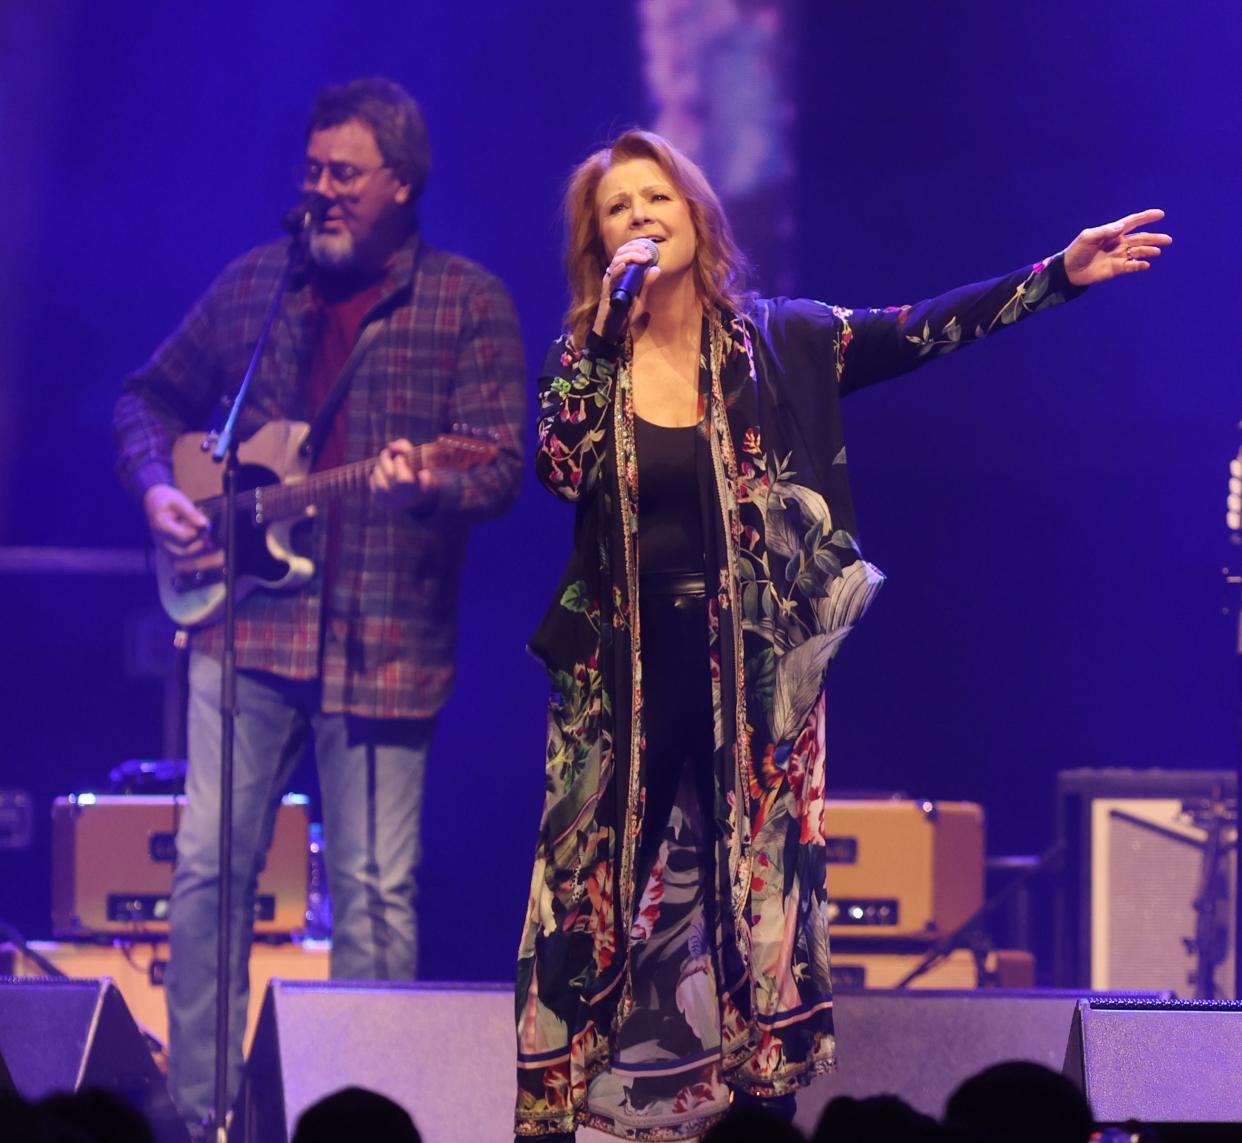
[854, 969]
[903, 869]
[1135, 855]
[112, 861]
[1147, 867]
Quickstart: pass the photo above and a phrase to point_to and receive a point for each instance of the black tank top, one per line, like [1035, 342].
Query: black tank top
[670, 525]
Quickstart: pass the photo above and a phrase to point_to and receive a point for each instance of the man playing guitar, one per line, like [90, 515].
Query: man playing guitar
[359, 659]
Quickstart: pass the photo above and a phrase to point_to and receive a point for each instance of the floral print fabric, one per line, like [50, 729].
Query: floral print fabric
[641, 1006]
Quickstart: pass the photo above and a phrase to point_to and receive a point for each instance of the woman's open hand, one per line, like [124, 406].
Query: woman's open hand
[1120, 247]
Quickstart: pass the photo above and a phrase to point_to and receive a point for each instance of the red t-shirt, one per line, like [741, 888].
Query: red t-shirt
[342, 301]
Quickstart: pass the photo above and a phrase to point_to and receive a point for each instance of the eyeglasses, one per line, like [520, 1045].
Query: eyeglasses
[342, 177]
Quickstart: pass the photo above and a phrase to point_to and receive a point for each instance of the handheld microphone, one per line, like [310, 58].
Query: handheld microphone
[309, 210]
[629, 282]
[625, 290]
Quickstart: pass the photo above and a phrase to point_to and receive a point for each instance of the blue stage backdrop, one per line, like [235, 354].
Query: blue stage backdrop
[1048, 507]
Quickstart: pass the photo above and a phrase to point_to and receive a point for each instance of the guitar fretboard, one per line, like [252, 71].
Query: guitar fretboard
[284, 501]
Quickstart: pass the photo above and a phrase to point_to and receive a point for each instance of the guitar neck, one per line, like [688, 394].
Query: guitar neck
[288, 500]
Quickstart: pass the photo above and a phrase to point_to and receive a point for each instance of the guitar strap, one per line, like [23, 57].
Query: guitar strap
[322, 423]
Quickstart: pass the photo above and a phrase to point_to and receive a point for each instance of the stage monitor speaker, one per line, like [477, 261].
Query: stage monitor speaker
[445, 1053]
[138, 968]
[922, 1045]
[62, 1035]
[1157, 1062]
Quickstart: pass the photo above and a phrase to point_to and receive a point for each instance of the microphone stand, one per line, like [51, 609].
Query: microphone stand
[1210, 943]
[1237, 825]
[225, 450]
[19, 942]
[970, 933]
[1233, 518]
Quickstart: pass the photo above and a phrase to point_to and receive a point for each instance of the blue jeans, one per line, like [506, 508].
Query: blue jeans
[371, 781]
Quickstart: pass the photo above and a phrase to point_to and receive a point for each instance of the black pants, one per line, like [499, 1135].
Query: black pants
[677, 709]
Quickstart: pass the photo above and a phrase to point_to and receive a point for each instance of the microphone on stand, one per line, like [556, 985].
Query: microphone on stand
[625, 289]
[310, 209]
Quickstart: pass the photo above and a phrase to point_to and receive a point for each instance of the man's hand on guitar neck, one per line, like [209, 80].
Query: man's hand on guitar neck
[397, 484]
[178, 527]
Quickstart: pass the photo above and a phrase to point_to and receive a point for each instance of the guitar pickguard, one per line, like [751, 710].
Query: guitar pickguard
[192, 592]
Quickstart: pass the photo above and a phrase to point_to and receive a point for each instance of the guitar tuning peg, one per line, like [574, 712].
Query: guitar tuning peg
[456, 427]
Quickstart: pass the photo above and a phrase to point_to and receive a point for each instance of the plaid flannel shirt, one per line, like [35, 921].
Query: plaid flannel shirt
[449, 353]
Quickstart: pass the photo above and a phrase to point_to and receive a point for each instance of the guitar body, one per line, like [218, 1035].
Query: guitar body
[192, 591]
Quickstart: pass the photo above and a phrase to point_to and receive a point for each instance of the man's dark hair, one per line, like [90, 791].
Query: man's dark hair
[393, 116]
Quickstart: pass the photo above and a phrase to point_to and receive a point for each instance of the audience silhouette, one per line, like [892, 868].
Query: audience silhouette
[356, 1113]
[1020, 1102]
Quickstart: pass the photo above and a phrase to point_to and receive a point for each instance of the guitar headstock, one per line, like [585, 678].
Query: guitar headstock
[465, 447]
[1233, 504]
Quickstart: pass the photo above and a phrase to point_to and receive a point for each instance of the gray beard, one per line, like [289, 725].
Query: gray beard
[332, 251]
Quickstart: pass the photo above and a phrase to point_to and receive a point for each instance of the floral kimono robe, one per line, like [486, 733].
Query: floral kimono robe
[639, 1006]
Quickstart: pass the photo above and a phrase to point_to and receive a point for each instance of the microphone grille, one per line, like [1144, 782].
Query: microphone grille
[654, 249]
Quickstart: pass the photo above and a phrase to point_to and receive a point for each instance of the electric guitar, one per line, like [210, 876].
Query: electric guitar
[275, 492]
